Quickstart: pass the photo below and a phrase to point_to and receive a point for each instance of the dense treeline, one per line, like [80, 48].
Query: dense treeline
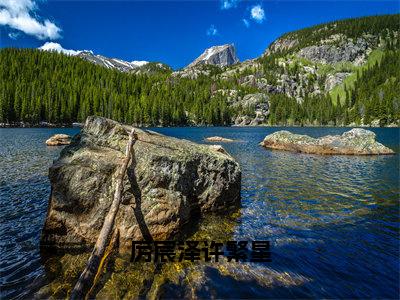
[38, 86]
[42, 86]
[376, 93]
[375, 96]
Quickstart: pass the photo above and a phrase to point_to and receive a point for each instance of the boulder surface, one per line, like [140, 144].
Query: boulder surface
[218, 139]
[59, 140]
[354, 142]
[170, 183]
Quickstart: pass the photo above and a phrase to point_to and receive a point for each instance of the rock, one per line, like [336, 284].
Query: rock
[281, 44]
[218, 148]
[333, 80]
[58, 140]
[192, 73]
[221, 56]
[218, 139]
[171, 183]
[375, 123]
[243, 120]
[357, 141]
[347, 51]
[258, 103]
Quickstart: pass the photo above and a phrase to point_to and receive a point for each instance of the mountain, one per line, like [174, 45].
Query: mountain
[221, 56]
[342, 73]
[327, 63]
[109, 63]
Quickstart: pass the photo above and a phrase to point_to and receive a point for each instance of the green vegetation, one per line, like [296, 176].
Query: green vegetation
[38, 86]
[384, 26]
[374, 95]
[376, 92]
[374, 58]
[42, 86]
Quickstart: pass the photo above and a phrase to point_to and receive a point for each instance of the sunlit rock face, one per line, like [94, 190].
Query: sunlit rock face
[221, 56]
[170, 183]
[354, 142]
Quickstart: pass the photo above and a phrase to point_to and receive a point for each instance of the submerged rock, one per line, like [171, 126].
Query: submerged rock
[218, 139]
[170, 183]
[354, 142]
[58, 140]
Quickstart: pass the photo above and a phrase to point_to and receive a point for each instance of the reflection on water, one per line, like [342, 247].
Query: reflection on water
[333, 222]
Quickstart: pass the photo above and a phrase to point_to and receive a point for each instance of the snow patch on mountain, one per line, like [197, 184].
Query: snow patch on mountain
[110, 63]
[139, 63]
[51, 46]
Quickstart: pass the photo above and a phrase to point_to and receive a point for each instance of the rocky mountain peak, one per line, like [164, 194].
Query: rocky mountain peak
[110, 63]
[224, 55]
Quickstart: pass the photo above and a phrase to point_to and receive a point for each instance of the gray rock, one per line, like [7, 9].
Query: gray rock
[258, 102]
[357, 141]
[170, 183]
[192, 73]
[242, 120]
[221, 56]
[333, 80]
[349, 51]
[281, 44]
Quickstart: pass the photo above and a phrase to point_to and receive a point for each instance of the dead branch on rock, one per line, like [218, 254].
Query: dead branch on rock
[86, 279]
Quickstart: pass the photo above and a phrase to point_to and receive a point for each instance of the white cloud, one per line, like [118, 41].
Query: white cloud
[50, 46]
[246, 23]
[20, 15]
[227, 4]
[257, 13]
[212, 30]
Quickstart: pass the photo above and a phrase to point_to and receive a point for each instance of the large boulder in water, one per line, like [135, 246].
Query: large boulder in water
[170, 183]
[357, 141]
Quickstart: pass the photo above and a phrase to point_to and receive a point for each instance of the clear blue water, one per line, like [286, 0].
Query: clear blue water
[333, 220]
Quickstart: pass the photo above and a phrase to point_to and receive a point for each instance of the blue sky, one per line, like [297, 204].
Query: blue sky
[173, 32]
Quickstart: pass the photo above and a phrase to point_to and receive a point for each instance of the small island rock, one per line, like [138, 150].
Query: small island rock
[169, 184]
[357, 141]
[218, 139]
[59, 140]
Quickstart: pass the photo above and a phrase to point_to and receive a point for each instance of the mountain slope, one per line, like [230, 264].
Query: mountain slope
[323, 61]
[109, 63]
[340, 73]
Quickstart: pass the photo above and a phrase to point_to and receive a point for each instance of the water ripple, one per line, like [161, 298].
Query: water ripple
[333, 221]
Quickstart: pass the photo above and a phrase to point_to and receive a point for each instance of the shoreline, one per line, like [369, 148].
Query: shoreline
[80, 125]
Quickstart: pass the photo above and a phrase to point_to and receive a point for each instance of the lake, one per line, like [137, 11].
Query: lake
[333, 221]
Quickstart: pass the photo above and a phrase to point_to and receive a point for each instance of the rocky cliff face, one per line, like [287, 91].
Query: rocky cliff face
[221, 56]
[257, 103]
[169, 184]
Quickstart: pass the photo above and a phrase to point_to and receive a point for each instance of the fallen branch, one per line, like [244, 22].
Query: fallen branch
[85, 281]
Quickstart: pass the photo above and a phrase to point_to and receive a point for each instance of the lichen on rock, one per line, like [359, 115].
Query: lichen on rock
[170, 183]
[357, 141]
